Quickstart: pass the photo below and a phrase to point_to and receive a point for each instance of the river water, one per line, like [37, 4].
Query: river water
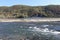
[17, 30]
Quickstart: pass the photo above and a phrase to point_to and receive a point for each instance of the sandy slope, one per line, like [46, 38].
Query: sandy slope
[30, 20]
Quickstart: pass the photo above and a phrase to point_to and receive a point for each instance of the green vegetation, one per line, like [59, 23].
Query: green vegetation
[23, 11]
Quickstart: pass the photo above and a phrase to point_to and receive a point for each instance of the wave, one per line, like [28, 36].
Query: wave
[44, 31]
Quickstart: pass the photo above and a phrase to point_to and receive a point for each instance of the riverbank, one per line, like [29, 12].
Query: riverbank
[31, 20]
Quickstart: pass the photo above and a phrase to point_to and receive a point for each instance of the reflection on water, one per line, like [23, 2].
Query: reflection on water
[29, 30]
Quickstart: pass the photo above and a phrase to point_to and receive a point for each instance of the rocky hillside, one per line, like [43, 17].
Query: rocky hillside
[23, 11]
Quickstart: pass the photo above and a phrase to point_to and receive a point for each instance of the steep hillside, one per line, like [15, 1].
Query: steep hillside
[23, 11]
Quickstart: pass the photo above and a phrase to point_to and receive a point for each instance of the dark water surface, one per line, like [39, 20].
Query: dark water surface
[23, 30]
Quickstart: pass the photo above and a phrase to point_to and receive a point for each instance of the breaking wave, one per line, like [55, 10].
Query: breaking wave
[45, 31]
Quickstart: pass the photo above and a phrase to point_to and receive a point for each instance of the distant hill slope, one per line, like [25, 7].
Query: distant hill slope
[23, 11]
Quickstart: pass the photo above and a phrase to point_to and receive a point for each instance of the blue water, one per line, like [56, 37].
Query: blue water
[14, 29]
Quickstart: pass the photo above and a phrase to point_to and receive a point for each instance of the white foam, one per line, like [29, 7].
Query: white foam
[30, 27]
[46, 30]
[56, 32]
[45, 25]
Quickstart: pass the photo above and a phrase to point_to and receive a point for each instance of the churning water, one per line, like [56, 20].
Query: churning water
[17, 30]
